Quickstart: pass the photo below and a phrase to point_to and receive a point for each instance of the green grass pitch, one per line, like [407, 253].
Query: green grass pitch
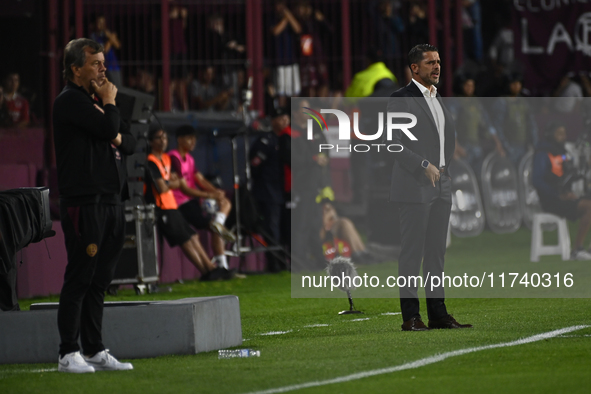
[314, 344]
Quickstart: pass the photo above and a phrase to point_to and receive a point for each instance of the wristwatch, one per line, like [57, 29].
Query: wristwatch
[425, 164]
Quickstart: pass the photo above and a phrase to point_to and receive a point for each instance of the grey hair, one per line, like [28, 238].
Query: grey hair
[75, 54]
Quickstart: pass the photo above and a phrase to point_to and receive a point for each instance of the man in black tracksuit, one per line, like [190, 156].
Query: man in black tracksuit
[90, 144]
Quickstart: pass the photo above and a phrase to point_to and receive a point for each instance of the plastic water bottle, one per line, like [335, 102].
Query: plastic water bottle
[238, 353]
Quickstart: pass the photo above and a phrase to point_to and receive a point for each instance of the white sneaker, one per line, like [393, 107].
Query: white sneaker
[103, 361]
[580, 254]
[74, 363]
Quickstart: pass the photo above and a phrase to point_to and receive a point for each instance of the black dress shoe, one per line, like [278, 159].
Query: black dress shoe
[447, 322]
[414, 324]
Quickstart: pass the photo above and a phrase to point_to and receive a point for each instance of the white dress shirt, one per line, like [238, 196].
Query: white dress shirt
[437, 112]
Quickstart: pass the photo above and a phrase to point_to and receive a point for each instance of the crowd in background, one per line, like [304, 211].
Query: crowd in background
[14, 107]
[303, 58]
[302, 52]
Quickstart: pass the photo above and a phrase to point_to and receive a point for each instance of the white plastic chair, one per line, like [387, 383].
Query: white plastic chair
[537, 240]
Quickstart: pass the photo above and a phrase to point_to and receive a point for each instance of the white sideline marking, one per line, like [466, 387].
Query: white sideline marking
[29, 371]
[367, 318]
[276, 332]
[575, 336]
[317, 325]
[422, 362]
[390, 313]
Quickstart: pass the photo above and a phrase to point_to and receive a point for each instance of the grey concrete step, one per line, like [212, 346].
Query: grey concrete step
[130, 330]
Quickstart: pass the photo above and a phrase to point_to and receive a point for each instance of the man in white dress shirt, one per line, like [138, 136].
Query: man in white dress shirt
[421, 187]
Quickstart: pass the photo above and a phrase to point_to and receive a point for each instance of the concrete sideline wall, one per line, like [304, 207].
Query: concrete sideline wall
[186, 326]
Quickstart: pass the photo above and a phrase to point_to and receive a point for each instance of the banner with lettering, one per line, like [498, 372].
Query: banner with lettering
[552, 38]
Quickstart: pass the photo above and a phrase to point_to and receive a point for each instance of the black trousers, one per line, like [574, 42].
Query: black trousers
[423, 230]
[306, 222]
[94, 237]
[271, 213]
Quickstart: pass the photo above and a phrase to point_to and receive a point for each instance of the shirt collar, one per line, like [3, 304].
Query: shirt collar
[426, 92]
[75, 86]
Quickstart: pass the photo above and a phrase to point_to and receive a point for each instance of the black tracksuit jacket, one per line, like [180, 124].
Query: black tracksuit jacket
[86, 162]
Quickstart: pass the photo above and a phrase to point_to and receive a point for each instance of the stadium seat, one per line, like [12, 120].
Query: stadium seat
[537, 239]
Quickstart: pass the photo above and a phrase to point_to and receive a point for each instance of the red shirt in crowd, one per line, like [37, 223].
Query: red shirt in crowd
[18, 108]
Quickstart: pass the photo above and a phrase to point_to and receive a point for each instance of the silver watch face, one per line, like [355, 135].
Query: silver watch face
[425, 164]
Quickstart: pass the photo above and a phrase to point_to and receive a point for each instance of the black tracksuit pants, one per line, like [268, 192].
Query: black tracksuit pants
[94, 237]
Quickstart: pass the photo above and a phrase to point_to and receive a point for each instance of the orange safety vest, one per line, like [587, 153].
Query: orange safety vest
[556, 161]
[163, 200]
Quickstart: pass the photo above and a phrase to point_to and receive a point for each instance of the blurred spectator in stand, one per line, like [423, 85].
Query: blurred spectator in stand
[472, 24]
[418, 27]
[552, 167]
[365, 81]
[586, 104]
[362, 164]
[18, 106]
[178, 52]
[5, 119]
[389, 25]
[475, 134]
[569, 94]
[271, 97]
[145, 82]
[514, 121]
[491, 81]
[284, 28]
[205, 96]
[375, 77]
[236, 99]
[110, 42]
[230, 50]
[314, 72]
[270, 160]
[501, 50]
[586, 83]
[332, 98]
